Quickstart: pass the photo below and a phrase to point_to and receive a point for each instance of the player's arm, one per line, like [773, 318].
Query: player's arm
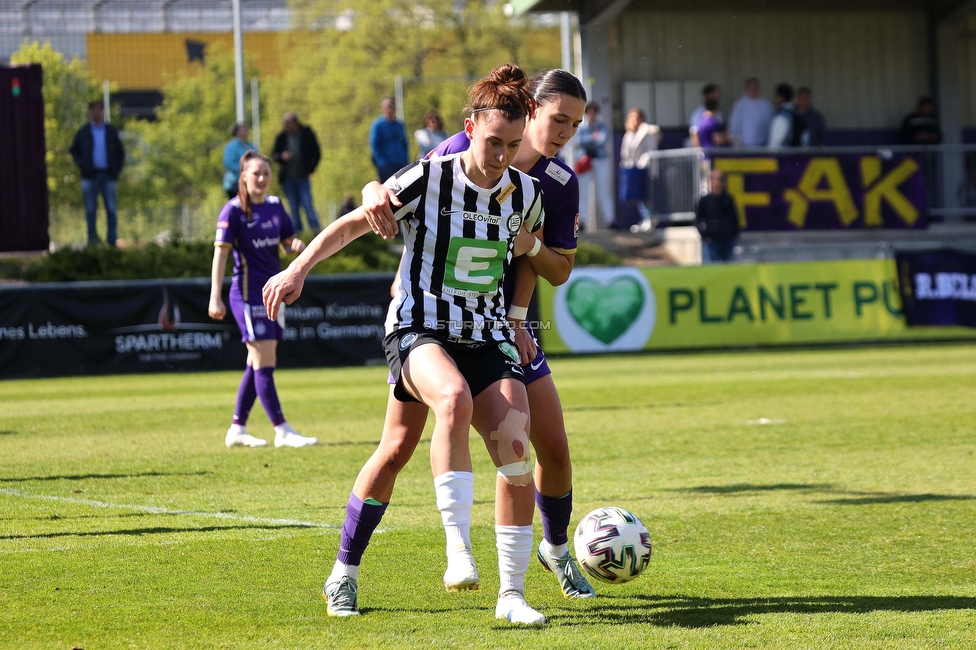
[292, 245]
[552, 265]
[216, 309]
[286, 287]
[379, 203]
[525, 281]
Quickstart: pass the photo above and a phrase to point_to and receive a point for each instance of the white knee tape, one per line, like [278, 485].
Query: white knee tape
[513, 449]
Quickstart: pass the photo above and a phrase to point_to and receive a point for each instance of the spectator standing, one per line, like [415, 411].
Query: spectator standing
[592, 138]
[98, 153]
[388, 141]
[710, 131]
[922, 126]
[787, 127]
[718, 222]
[431, 135]
[297, 149]
[710, 91]
[233, 152]
[816, 124]
[750, 117]
[640, 139]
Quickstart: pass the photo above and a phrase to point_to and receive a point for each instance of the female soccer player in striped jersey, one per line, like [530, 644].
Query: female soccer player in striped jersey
[254, 225]
[559, 103]
[449, 344]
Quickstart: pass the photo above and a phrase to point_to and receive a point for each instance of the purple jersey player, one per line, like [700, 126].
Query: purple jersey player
[254, 225]
[560, 100]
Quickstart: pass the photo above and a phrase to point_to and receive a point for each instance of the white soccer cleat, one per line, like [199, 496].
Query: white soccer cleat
[461, 572]
[285, 436]
[513, 608]
[238, 437]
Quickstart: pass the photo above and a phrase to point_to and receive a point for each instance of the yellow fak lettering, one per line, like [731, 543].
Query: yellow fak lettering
[886, 188]
[824, 172]
[735, 170]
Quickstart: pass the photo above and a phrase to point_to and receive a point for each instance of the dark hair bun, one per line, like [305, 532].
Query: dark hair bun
[508, 74]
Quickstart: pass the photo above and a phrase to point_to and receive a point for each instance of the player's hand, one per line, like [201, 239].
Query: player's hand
[285, 287]
[297, 245]
[525, 342]
[285, 156]
[216, 309]
[524, 241]
[378, 205]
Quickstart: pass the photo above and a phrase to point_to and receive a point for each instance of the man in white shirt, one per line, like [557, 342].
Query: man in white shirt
[751, 116]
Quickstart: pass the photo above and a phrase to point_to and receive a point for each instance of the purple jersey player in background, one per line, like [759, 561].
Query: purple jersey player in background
[254, 225]
[560, 101]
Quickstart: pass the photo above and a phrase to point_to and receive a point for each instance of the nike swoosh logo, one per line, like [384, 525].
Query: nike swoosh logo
[251, 224]
[446, 213]
[535, 366]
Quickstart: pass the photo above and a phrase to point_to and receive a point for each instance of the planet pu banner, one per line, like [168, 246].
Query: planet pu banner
[629, 309]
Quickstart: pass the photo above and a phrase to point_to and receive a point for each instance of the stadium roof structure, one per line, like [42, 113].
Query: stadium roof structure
[589, 9]
[44, 17]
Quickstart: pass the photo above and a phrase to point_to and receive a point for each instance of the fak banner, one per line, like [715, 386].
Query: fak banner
[938, 287]
[156, 326]
[629, 309]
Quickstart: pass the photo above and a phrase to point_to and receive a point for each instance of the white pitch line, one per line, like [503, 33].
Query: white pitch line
[156, 510]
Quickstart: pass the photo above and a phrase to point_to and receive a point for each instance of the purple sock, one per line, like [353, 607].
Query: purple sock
[362, 518]
[264, 383]
[556, 513]
[246, 394]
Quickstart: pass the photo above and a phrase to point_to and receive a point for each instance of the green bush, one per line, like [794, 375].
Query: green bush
[593, 255]
[193, 259]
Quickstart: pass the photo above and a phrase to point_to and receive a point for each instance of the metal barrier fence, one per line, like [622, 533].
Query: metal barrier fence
[679, 177]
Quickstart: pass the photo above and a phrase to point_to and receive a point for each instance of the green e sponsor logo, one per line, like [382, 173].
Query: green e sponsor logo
[474, 264]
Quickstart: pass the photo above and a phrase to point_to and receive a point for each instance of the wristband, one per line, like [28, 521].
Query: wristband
[535, 248]
[518, 313]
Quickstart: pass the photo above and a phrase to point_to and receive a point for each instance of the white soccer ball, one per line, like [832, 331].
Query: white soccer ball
[612, 545]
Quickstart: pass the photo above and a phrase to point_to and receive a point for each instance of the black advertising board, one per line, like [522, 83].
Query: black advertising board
[61, 329]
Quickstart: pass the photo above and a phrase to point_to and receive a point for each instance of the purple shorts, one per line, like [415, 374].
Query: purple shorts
[254, 323]
[535, 369]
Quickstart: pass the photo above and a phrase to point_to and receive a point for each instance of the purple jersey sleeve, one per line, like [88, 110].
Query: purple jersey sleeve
[287, 227]
[560, 200]
[457, 143]
[227, 224]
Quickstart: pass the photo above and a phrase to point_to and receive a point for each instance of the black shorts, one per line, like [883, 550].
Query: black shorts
[480, 363]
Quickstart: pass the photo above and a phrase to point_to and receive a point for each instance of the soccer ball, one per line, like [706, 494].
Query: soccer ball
[612, 545]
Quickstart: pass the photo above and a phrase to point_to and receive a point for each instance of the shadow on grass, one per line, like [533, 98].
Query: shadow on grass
[137, 532]
[350, 443]
[85, 477]
[854, 498]
[7, 432]
[693, 612]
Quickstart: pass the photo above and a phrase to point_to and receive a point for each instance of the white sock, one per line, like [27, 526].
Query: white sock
[237, 429]
[339, 570]
[514, 544]
[455, 496]
[284, 428]
[554, 551]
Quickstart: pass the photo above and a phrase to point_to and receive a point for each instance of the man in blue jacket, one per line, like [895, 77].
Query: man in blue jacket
[98, 152]
[388, 141]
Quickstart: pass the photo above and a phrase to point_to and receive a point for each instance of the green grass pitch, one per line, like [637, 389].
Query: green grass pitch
[796, 499]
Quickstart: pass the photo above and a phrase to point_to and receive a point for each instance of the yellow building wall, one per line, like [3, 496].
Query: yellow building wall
[144, 61]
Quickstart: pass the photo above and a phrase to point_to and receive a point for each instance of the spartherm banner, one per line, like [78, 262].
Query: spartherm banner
[938, 287]
[629, 309]
[155, 326]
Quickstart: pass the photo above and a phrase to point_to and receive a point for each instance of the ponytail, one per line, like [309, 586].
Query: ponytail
[242, 194]
[504, 89]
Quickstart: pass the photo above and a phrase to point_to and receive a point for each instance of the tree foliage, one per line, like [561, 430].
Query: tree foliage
[67, 88]
[335, 78]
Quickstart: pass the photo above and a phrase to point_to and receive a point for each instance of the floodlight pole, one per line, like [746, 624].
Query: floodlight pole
[255, 115]
[238, 60]
[106, 99]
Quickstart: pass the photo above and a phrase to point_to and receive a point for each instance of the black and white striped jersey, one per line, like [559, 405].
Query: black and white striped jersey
[458, 240]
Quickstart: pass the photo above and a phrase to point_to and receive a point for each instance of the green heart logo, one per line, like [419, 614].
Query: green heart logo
[605, 310]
